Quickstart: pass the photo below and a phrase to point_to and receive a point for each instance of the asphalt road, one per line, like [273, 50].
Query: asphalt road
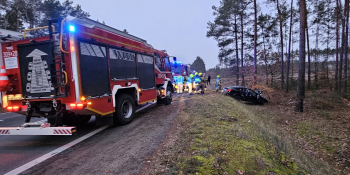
[18, 150]
[116, 150]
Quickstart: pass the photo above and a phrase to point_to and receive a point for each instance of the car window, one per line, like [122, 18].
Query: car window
[252, 92]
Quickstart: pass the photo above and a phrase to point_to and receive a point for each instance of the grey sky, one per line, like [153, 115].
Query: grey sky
[179, 26]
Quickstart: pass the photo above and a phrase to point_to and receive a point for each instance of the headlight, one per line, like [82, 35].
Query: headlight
[222, 91]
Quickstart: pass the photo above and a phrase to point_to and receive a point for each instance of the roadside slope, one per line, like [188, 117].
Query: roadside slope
[223, 136]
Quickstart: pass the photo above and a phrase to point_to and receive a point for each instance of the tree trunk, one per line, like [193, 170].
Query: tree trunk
[237, 59]
[281, 34]
[265, 59]
[255, 40]
[308, 58]
[301, 76]
[337, 50]
[341, 54]
[242, 36]
[346, 12]
[290, 41]
[316, 54]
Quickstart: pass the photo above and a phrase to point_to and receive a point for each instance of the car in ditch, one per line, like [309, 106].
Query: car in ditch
[245, 94]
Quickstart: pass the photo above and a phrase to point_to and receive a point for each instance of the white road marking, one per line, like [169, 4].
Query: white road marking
[1, 120]
[62, 148]
[54, 152]
[5, 113]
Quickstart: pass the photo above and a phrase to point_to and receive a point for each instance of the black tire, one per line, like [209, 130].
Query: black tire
[72, 119]
[124, 109]
[168, 99]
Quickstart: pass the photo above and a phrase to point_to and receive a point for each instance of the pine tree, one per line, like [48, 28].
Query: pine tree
[290, 40]
[198, 65]
[301, 76]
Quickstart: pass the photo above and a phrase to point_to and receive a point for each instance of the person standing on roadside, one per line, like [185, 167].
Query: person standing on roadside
[197, 81]
[209, 77]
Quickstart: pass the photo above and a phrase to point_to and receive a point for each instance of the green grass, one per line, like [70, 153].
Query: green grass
[223, 138]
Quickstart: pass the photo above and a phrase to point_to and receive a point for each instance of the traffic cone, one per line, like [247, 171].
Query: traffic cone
[4, 79]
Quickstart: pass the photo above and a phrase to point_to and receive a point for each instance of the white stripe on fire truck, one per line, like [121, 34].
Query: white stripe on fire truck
[4, 78]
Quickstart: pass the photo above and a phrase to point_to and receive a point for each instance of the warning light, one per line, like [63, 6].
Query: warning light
[140, 90]
[72, 49]
[72, 28]
[89, 103]
[82, 98]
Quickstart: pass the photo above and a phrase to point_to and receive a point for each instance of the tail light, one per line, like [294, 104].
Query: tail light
[229, 90]
[12, 108]
[76, 106]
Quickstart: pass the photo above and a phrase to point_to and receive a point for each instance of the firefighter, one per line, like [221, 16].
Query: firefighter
[202, 83]
[197, 81]
[174, 82]
[218, 83]
[204, 79]
[185, 82]
[180, 83]
[189, 83]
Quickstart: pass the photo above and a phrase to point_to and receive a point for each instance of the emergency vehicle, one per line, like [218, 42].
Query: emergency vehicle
[178, 68]
[79, 69]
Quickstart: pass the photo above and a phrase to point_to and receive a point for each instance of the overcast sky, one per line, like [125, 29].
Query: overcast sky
[178, 26]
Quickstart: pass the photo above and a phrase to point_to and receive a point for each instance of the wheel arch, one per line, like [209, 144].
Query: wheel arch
[131, 90]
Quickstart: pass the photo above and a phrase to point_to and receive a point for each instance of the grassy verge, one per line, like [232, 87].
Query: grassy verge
[223, 136]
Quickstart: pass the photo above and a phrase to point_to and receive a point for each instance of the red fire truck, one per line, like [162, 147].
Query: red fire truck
[79, 69]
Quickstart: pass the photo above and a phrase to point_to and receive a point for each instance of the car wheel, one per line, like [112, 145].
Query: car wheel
[124, 109]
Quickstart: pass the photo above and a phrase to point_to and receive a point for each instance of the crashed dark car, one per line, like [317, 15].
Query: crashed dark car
[245, 94]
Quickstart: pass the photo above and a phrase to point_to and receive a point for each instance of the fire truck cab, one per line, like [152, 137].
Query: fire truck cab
[82, 68]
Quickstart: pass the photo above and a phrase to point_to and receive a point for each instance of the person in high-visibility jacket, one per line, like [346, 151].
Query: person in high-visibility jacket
[185, 82]
[189, 83]
[180, 83]
[197, 81]
[218, 83]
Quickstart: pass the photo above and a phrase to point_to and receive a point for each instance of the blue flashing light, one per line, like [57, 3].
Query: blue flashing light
[71, 28]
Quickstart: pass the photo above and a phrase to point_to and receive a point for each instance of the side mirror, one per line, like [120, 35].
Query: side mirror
[174, 59]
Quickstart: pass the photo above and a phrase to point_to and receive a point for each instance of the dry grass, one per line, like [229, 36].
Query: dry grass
[320, 133]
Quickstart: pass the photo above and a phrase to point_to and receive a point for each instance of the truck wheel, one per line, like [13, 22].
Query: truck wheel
[169, 96]
[72, 119]
[124, 109]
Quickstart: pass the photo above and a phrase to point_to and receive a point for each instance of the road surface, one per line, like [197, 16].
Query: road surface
[116, 150]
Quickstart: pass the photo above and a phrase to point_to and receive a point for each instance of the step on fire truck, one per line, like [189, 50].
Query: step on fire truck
[79, 69]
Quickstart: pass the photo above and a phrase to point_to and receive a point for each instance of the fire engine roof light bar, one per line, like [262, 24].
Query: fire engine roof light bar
[71, 28]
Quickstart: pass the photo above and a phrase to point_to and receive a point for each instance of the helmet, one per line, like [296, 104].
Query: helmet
[196, 73]
[191, 75]
[184, 73]
[200, 74]
[218, 76]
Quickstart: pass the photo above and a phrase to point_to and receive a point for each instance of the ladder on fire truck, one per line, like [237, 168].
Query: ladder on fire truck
[57, 64]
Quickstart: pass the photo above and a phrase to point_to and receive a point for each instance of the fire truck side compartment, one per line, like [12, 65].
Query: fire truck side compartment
[122, 64]
[93, 69]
